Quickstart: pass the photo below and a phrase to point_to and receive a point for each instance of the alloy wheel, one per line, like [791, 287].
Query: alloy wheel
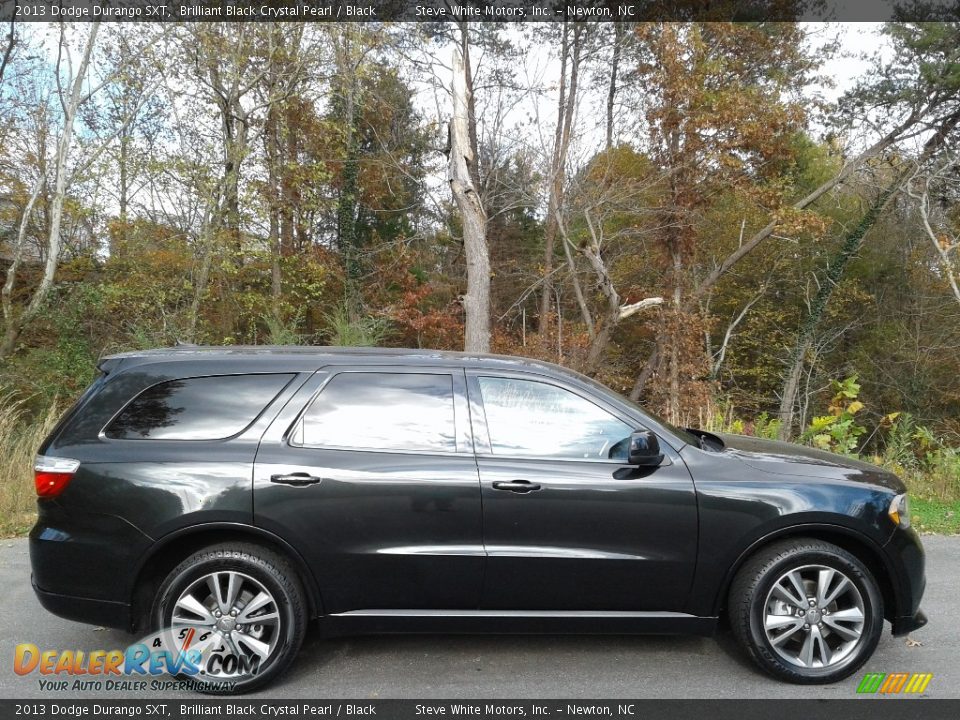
[234, 616]
[814, 616]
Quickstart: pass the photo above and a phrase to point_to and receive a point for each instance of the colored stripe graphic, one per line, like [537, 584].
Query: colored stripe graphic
[894, 683]
[871, 682]
[918, 683]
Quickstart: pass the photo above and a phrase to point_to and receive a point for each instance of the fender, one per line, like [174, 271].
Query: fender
[799, 529]
[311, 586]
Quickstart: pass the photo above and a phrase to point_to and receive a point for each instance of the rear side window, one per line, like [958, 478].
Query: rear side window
[381, 411]
[203, 408]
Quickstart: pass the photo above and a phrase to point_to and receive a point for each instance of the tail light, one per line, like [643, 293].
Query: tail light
[51, 475]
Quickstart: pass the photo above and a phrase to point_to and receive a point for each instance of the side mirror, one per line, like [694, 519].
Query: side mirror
[644, 449]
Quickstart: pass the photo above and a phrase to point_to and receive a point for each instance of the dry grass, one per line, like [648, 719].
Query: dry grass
[19, 440]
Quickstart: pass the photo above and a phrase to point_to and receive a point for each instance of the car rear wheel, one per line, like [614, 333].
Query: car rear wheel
[806, 611]
[240, 608]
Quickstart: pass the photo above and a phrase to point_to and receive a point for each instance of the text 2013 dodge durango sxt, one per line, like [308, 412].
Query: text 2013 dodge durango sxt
[234, 494]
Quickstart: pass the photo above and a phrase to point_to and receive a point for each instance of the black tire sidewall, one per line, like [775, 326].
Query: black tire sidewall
[274, 579]
[873, 615]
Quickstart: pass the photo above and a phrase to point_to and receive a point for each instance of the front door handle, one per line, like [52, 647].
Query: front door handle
[515, 486]
[296, 479]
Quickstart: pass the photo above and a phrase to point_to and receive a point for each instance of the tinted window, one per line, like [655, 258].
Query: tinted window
[206, 408]
[530, 418]
[382, 411]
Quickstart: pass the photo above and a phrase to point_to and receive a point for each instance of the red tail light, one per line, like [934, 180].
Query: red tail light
[51, 475]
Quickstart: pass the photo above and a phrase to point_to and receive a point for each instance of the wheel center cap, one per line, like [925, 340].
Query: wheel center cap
[813, 616]
[226, 624]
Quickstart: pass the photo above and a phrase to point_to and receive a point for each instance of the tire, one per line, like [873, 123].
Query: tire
[245, 574]
[827, 642]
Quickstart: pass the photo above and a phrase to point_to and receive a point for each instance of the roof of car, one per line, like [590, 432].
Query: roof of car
[334, 354]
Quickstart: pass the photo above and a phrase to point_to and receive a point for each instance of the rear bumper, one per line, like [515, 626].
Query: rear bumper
[86, 610]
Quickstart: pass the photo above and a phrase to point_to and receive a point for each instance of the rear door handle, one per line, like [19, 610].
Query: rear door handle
[515, 486]
[296, 479]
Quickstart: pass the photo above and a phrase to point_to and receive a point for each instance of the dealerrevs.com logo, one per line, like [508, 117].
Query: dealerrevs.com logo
[895, 683]
[193, 656]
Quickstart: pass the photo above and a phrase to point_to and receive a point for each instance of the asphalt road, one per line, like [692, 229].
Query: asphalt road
[513, 666]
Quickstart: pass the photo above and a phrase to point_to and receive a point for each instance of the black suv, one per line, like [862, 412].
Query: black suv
[234, 494]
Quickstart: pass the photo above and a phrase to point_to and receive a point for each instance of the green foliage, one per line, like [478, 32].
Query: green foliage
[839, 431]
[282, 333]
[724, 421]
[65, 363]
[19, 439]
[364, 331]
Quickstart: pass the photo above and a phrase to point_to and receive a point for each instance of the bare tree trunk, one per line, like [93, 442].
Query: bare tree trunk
[599, 340]
[618, 34]
[11, 280]
[54, 241]
[476, 301]
[11, 44]
[649, 368]
[271, 142]
[565, 108]
[946, 246]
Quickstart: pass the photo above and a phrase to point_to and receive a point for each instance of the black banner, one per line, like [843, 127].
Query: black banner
[191, 709]
[474, 10]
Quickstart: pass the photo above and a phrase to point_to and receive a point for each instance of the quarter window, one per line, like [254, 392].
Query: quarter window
[533, 419]
[203, 408]
[382, 411]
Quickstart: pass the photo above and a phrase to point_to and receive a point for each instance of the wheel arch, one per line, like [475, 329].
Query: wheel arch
[171, 549]
[857, 544]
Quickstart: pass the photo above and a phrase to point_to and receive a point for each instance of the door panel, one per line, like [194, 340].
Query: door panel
[381, 528]
[579, 533]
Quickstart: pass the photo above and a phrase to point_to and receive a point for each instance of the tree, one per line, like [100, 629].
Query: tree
[922, 84]
[721, 105]
[463, 184]
[571, 48]
[70, 101]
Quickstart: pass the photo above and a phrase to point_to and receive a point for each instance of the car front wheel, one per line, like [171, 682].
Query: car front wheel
[806, 611]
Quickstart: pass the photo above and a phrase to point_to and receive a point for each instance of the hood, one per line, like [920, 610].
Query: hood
[783, 458]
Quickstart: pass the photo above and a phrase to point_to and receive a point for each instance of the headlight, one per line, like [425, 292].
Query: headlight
[899, 511]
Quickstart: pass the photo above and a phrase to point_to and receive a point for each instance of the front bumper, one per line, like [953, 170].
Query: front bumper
[907, 564]
[909, 623]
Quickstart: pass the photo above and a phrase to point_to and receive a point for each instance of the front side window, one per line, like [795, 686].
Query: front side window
[381, 411]
[202, 408]
[527, 418]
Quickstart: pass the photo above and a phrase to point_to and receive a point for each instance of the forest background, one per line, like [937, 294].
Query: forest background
[695, 214]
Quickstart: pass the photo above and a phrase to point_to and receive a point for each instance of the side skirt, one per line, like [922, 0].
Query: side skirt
[532, 622]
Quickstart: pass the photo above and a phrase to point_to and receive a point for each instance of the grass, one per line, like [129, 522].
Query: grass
[936, 516]
[19, 440]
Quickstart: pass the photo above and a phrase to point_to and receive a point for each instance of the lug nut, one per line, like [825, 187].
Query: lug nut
[812, 603]
[217, 613]
[233, 613]
[806, 626]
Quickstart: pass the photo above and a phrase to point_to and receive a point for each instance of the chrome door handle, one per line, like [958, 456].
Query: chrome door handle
[515, 486]
[296, 479]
